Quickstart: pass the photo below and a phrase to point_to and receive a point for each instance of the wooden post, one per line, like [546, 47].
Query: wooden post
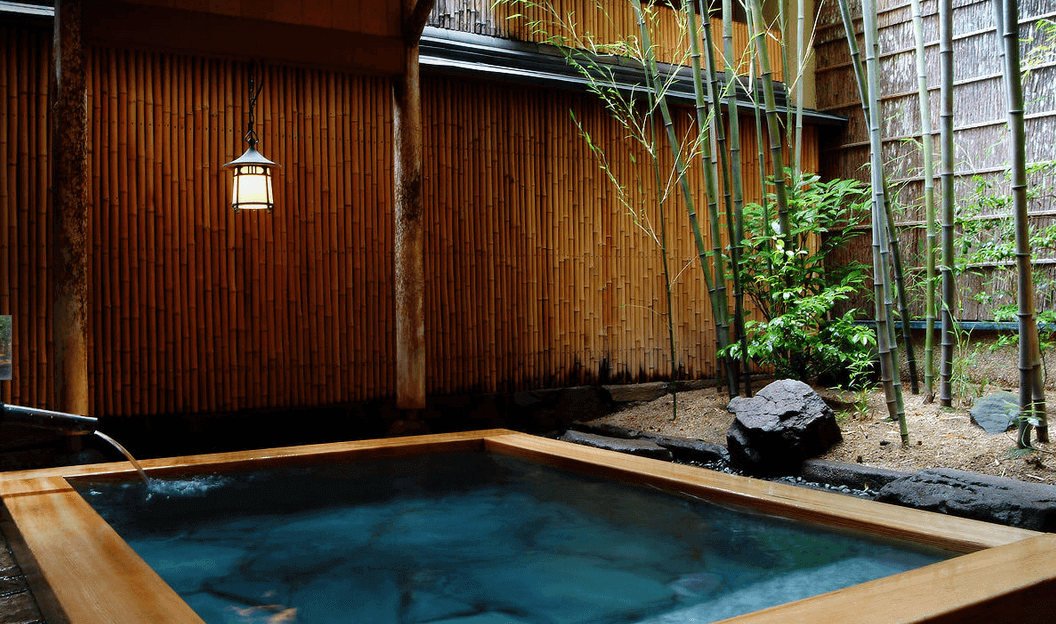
[69, 196]
[407, 171]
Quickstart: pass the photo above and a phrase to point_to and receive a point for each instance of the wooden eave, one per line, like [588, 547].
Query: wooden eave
[363, 36]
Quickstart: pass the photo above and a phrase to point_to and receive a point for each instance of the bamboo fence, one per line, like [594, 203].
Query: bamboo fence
[606, 23]
[536, 276]
[980, 131]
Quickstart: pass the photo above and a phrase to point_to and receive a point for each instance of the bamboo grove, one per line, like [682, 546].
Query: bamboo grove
[779, 133]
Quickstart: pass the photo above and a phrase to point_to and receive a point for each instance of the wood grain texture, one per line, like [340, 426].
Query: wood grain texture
[92, 576]
[535, 273]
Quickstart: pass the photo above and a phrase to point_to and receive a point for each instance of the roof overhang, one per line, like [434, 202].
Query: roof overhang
[454, 53]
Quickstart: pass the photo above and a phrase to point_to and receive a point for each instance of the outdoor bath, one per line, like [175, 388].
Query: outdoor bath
[83, 570]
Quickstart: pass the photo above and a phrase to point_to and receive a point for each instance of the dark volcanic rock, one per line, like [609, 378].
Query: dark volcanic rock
[971, 495]
[855, 476]
[644, 448]
[783, 424]
[606, 429]
[548, 410]
[690, 450]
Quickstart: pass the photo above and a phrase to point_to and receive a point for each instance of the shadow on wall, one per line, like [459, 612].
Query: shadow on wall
[539, 411]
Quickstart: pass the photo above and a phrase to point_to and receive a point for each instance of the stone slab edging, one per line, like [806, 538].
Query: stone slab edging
[857, 476]
[631, 446]
[954, 492]
[977, 496]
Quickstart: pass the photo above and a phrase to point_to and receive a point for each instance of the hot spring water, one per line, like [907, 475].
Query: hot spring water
[472, 538]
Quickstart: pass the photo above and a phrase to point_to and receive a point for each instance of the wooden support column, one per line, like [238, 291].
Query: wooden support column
[407, 169]
[69, 213]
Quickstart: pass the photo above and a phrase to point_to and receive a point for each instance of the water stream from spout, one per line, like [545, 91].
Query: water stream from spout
[128, 455]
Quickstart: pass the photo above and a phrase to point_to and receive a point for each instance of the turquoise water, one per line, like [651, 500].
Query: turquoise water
[471, 539]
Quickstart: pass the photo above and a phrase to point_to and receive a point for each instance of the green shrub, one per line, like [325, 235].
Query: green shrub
[795, 291]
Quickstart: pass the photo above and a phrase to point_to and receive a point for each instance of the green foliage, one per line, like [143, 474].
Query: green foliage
[5, 333]
[5, 341]
[795, 290]
[1041, 48]
[987, 245]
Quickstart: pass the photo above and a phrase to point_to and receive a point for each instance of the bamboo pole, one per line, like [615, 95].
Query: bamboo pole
[772, 122]
[754, 40]
[8, 205]
[929, 198]
[152, 130]
[680, 166]
[945, 9]
[45, 225]
[888, 365]
[736, 177]
[1031, 388]
[709, 127]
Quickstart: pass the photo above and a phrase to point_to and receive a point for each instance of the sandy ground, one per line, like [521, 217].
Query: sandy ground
[938, 437]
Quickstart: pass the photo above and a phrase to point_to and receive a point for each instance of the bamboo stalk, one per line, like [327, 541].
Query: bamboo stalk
[96, 364]
[151, 131]
[945, 10]
[1031, 390]
[8, 205]
[712, 140]
[929, 198]
[760, 148]
[773, 124]
[736, 177]
[43, 218]
[888, 365]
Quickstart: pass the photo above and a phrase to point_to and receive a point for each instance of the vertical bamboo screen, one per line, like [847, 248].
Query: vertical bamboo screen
[536, 276]
[604, 22]
[980, 119]
[25, 227]
[540, 276]
[198, 309]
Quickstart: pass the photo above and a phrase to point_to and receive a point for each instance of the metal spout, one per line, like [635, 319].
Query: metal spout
[46, 419]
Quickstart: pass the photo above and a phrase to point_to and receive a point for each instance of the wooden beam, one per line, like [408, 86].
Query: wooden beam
[407, 169]
[409, 270]
[114, 23]
[69, 214]
[414, 23]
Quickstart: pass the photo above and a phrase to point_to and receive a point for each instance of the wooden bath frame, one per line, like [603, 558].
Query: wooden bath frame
[82, 572]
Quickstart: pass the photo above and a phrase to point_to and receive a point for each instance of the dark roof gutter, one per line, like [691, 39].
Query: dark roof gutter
[22, 8]
[455, 53]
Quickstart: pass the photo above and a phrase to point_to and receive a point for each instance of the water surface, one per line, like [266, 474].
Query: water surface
[471, 538]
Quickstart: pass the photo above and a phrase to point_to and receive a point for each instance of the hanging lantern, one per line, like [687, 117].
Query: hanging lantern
[252, 188]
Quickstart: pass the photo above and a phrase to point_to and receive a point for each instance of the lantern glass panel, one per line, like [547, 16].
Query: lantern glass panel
[252, 188]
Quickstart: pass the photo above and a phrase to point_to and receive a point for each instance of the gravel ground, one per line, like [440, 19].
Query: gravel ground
[939, 437]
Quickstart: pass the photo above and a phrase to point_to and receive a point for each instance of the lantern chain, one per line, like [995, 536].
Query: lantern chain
[251, 135]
